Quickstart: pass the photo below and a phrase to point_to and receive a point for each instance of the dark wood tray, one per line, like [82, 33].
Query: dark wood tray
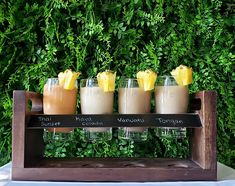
[28, 147]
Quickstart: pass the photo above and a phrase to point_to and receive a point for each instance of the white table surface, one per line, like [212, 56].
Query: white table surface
[226, 177]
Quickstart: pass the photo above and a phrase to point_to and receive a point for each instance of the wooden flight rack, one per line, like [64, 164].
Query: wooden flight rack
[28, 162]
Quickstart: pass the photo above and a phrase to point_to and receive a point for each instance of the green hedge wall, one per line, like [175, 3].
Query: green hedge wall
[38, 39]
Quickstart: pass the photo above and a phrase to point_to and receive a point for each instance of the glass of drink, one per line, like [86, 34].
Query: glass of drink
[94, 100]
[132, 99]
[170, 98]
[57, 100]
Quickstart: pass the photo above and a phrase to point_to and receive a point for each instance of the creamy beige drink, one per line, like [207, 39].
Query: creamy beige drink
[171, 99]
[95, 101]
[97, 98]
[57, 100]
[134, 101]
[134, 98]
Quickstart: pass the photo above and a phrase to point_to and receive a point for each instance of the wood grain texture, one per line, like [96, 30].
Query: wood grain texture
[166, 163]
[112, 174]
[203, 140]
[114, 169]
[26, 144]
[18, 129]
[28, 162]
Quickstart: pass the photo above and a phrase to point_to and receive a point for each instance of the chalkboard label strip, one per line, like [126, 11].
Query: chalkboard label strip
[189, 120]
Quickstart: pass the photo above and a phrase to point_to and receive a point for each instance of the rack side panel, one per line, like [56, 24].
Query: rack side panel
[203, 140]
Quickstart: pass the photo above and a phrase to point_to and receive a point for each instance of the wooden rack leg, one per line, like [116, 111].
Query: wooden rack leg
[203, 140]
[26, 144]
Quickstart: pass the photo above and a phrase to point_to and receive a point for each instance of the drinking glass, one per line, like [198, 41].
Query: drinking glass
[133, 100]
[170, 98]
[95, 101]
[57, 100]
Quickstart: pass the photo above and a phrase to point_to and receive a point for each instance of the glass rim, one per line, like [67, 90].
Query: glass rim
[166, 80]
[165, 76]
[95, 80]
[55, 81]
[133, 79]
[89, 79]
[53, 78]
[128, 83]
[89, 82]
[52, 81]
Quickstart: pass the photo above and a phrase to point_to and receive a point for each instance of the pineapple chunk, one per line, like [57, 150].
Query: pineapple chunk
[182, 75]
[140, 78]
[146, 79]
[67, 79]
[61, 78]
[106, 80]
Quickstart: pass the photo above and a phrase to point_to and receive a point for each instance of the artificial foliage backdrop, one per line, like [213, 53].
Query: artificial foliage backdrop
[38, 39]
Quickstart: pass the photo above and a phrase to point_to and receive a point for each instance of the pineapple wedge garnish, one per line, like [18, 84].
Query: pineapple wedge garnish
[61, 77]
[183, 75]
[146, 79]
[67, 79]
[106, 80]
[140, 78]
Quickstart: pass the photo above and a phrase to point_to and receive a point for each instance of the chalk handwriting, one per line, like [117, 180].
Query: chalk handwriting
[50, 124]
[174, 122]
[131, 120]
[44, 118]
